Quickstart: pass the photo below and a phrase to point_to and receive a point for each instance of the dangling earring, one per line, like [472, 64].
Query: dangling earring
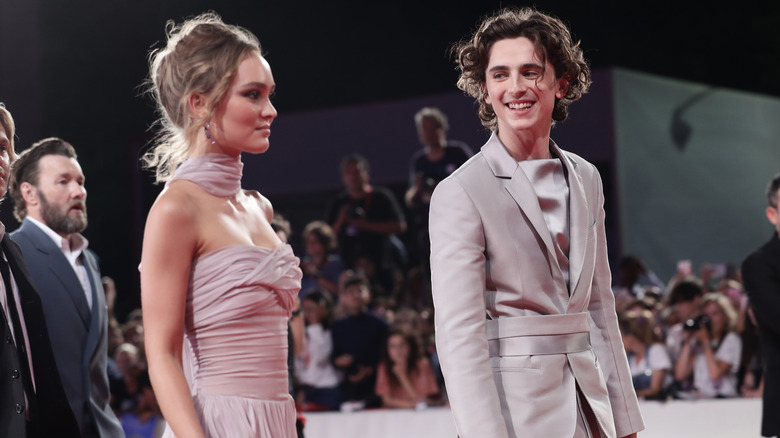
[208, 134]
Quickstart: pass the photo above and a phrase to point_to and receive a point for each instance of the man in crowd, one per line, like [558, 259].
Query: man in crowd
[366, 219]
[761, 276]
[47, 186]
[437, 159]
[32, 399]
[358, 341]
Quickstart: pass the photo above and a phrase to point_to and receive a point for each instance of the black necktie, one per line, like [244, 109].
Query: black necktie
[18, 333]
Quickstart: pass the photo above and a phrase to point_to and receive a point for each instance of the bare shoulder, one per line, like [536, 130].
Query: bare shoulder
[262, 202]
[175, 206]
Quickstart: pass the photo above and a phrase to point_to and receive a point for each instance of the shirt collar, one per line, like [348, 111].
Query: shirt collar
[76, 243]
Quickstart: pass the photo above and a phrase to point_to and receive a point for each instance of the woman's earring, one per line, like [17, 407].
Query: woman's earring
[208, 134]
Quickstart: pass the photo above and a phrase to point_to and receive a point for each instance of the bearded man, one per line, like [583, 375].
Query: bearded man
[47, 186]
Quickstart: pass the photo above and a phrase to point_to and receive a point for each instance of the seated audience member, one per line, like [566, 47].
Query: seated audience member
[321, 267]
[711, 350]
[404, 377]
[145, 421]
[683, 302]
[651, 368]
[631, 279]
[318, 378]
[358, 341]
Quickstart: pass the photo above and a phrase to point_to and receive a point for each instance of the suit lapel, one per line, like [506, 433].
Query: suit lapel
[519, 188]
[61, 269]
[578, 218]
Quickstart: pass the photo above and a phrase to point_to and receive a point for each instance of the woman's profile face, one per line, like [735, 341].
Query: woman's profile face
[397, 349]
[242, 119]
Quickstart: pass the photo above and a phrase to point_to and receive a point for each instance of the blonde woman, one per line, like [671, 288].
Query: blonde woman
[712, 349]
[218, 286]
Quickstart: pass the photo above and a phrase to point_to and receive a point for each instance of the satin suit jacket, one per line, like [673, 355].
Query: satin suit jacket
[514, 344]
[79, 335]
[50, 414]
[761, 274]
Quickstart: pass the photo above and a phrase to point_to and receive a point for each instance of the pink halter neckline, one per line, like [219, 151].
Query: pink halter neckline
[218, 174]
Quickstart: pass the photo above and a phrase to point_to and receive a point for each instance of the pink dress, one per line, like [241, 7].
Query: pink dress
[238, 304]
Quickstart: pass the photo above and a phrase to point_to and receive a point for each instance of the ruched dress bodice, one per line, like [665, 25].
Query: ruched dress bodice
[239, 301]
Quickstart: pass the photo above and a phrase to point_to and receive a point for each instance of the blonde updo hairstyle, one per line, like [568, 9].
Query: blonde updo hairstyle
[201, 56]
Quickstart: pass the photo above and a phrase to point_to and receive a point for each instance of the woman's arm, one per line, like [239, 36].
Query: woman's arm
[170, 241]
[683, 368]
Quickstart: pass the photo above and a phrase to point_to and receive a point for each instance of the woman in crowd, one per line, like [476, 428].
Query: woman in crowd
[217, 284]
[647, 356]
[321, 267]
[316, 374]
[404, 378]
[711, 350]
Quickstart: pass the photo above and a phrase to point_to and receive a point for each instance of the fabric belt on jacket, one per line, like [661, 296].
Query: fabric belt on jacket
[538, 334]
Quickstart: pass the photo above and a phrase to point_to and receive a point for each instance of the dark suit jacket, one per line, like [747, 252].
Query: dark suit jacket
[49, 411]
[761, 275]
[79, 335]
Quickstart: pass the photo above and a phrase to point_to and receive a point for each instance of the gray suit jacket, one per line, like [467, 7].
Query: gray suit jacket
[515, 345]
[79, 336]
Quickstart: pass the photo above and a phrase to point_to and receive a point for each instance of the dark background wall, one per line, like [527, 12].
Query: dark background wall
[75, 69]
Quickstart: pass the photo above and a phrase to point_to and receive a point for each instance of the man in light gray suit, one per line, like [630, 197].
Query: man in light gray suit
[526, 329]
[47, 186]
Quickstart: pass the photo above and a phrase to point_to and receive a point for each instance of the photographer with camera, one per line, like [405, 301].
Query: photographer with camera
[366, 220]
[711, 350]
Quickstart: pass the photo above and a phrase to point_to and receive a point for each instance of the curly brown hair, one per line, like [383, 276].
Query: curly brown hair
[553, 43]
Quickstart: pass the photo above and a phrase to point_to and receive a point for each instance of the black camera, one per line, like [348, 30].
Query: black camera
[696, 322]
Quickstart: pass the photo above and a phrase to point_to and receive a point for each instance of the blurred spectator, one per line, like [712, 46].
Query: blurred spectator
[631, 280]
[404, 377]
[366, 219]
[683, 302]
[711, 350]
[109, 287]
[358, 341]
[407, 319]
[317, 376]
[281, 227]
[651, 367]
[437, 159]
[428, 339]
[128, 393]
[321, 267]
[145, 421]
[133, 333]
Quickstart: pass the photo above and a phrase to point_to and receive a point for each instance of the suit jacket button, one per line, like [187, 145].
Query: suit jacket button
[15, 374]
[9, 340]
[19, 408]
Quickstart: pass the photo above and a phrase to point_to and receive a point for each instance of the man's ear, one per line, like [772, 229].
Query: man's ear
[563, 88]
[485, 94]
[29, 193]
[771, 214]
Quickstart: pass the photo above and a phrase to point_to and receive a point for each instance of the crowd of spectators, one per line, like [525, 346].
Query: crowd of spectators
[365, 303]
